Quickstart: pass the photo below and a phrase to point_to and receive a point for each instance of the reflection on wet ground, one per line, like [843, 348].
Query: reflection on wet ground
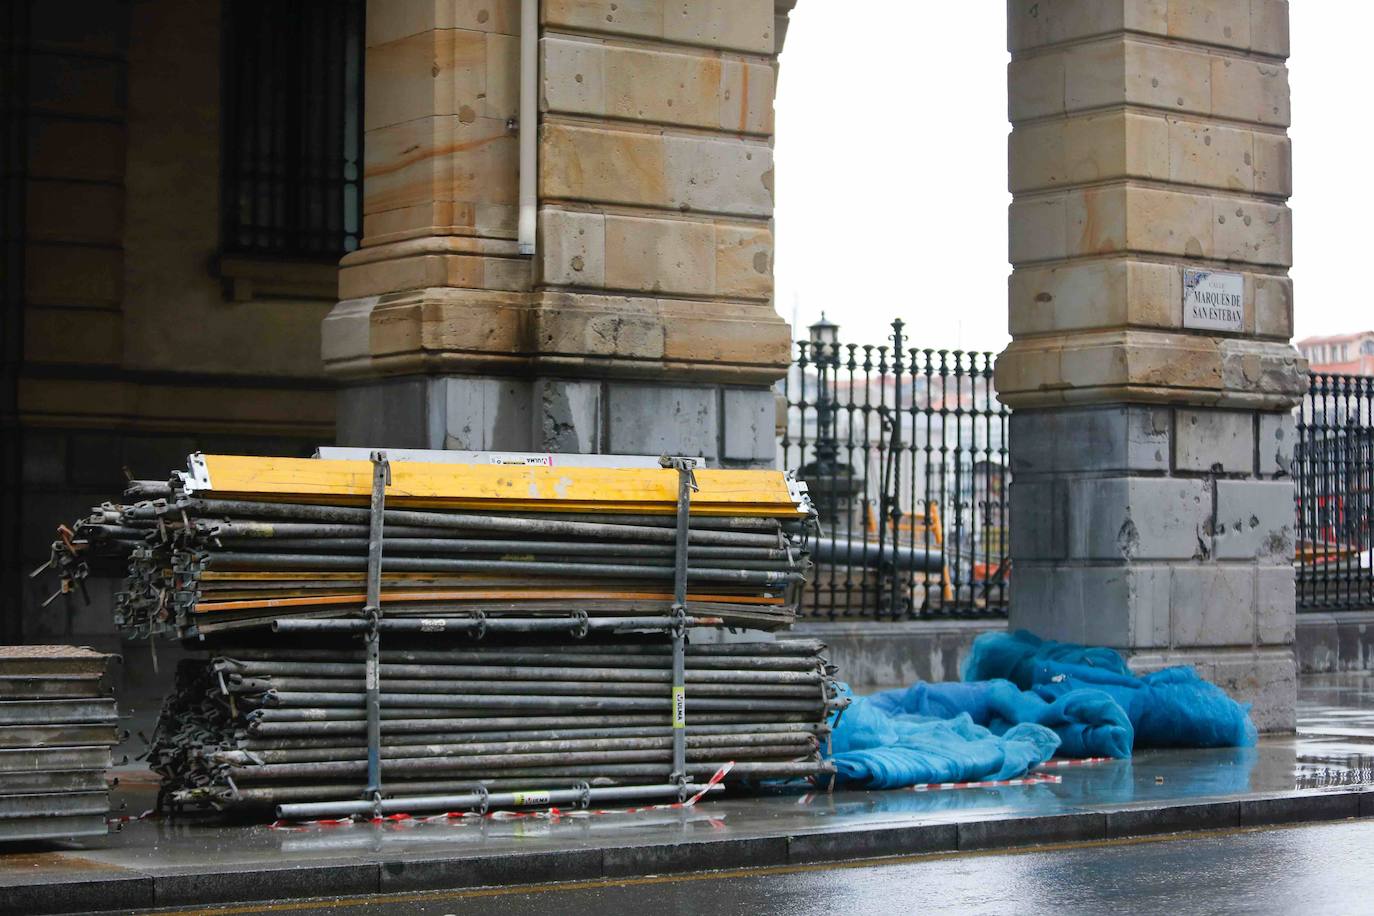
[1334, 747]
[1246, 873]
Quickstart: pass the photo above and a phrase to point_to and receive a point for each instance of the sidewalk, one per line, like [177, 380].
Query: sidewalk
[1325, 772]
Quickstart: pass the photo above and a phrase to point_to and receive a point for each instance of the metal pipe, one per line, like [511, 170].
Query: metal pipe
[528, 127]
[321, 721]
[345, 730]
[723, 745]
[465, 521]
[381, 476]
[239, 684]
[483, 800]
[498, 625]
[515, 672]
[232, 560]
[608, 656]
[493, 763]
[508, 701]
[866, 553]
[428, 542]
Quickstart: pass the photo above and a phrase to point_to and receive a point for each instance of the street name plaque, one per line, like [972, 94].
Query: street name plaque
[1213, 300]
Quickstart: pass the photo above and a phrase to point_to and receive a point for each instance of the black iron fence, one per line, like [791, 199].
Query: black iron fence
[1333, 470]
[904, 451]
[905, 454]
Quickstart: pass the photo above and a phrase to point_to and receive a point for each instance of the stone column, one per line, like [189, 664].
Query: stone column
[1152, 508]
[644, 322]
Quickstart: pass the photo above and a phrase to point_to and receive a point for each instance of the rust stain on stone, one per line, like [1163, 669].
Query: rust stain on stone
[405, 161]
[744, 100]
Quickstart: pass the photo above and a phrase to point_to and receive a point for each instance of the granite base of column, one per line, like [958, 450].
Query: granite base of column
[728, 426]
[1166, 533]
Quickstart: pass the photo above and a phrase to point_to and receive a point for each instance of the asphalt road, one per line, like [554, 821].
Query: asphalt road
[1310, 870]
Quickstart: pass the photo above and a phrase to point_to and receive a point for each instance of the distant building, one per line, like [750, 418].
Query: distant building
[1348, 354]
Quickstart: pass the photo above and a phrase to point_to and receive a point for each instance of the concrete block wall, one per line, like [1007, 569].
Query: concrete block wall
[1165, 531]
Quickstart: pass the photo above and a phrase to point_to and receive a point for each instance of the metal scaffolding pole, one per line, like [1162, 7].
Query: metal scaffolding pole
[381, 476]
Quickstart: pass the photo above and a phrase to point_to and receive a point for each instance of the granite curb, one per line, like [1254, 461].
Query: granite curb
[146, 889]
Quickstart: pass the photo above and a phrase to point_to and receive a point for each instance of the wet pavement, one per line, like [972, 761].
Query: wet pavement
[1320, 870]
[1333, 752]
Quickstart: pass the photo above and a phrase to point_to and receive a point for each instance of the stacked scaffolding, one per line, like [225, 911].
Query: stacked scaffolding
[238, 543]
[57, 726]
[276, 727]
[536, 623]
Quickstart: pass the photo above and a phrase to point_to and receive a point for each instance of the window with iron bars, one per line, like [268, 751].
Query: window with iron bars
[292, 95]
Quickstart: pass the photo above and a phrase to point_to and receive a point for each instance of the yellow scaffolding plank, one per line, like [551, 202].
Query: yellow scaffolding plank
[493, 487]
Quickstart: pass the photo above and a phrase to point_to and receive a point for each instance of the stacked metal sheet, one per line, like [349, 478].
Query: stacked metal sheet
[57, 726]
[239, 543]
[273, 726]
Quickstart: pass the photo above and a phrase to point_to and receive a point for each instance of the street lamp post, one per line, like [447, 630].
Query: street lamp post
[825, 335]
[831, 482]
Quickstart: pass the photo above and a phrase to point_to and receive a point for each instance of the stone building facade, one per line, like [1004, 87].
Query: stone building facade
[1149, 140]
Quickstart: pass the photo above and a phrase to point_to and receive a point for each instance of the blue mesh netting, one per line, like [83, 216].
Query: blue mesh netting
[1024, 699]
[969, 732]
[879, 749]
[1173, 707]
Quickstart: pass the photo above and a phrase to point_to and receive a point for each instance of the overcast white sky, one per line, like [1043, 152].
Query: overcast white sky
[860, 110]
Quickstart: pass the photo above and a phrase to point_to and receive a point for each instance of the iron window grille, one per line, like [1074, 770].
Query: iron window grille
[293, 105]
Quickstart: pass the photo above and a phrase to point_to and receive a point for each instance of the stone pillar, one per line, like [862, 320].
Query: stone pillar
[1152, 508]
[644, 322]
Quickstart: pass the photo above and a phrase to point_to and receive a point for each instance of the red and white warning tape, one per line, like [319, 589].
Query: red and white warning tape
[1073, 762]
[1032, 779]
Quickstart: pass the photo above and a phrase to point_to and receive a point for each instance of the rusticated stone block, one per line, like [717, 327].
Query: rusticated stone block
[1188, 79]
[568, 415]
[573, 247]
[442, 72]
[1215, 22]
[1101, 293]
[1275, 603]
[1273, 306]
[657, 255]
[745, 25]
[1138, 518]
[1250, 90]
[1258, 25]
[1255, 520]
[1097, 147]
[1041, 529]
[694, 89]
[747, 421]
[653, 420]
[408, 166]
[1277, 437]
[402, 18]
[1117, 438]
[1213, 605]
[1214, 440]
[1035, 87]
[1119, 606]
[726, 176]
